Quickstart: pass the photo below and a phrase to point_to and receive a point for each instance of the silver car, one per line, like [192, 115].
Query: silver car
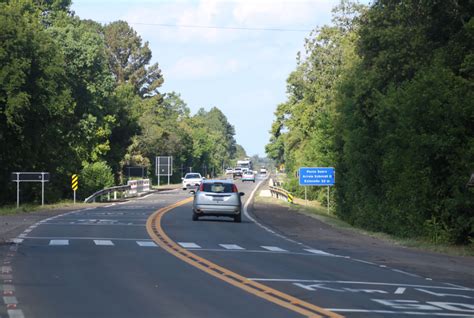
[217, 198]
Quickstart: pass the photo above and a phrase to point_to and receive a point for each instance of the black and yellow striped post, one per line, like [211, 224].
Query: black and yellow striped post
[74, 185]
[290, 198]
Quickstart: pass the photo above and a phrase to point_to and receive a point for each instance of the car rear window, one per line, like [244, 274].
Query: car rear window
[192, 176]
[217, 187]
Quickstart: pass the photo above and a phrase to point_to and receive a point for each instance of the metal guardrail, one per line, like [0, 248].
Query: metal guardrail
[106, 191]
[280, 193]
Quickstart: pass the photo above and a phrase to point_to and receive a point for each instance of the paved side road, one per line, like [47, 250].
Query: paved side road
[313, 232]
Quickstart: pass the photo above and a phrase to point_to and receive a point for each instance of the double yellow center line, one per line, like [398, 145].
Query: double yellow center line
[158, 235]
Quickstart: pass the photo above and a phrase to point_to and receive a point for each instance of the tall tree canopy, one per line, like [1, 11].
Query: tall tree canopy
[385, 95]
[79, 97]
[129, 59]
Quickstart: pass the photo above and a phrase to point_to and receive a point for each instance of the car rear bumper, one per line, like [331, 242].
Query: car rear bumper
[216, 210]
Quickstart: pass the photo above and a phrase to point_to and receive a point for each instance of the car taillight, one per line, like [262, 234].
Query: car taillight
[201, 187]
[234, 188]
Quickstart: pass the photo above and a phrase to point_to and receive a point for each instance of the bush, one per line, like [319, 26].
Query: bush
[94, 177]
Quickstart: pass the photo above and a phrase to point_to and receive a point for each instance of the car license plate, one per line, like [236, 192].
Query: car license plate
[217, 199]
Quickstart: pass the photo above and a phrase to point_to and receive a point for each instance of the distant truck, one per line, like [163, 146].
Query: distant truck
[245, 165]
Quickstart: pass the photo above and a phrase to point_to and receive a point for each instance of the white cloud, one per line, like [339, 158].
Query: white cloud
[280, 14]
[297, 14]
[202, 67]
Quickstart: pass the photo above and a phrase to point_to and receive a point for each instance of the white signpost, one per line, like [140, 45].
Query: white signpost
[164, 167]
[19, 177]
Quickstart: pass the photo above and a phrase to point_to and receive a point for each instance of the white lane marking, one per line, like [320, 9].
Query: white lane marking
[146, 196]
[86, 238]
[146, 244]
[189, 245]
[400, 290]
[406, 273]
[355, 282]
[28, 230]
[454, 285]
[104, 242]
[15, 313]
[263, 226]
[274, 248]
[22, 235]
[8, 300]
[319, 252]
[59, 242]
[17, 240]
[110, 205]
[5, 269]
[231, 247]
[252, 251]
[442, 295]
[417, 313]
[362, 261]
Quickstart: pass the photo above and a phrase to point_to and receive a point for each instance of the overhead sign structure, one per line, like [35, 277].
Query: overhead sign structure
[74, 185]
[318, 176]
[164, 167]
[19, 177]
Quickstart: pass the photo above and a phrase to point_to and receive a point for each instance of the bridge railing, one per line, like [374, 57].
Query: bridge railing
[107, 191]
[281, 193]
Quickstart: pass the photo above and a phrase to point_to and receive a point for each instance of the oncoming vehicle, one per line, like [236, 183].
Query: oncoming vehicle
[192, 179]
[248, 176]
[263, 170]
[237, 172]
[229, 171]
[218, 198]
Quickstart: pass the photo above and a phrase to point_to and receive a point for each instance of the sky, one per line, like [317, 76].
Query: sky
[242, 72]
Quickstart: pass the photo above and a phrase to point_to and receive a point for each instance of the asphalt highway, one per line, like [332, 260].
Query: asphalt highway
[147, 258]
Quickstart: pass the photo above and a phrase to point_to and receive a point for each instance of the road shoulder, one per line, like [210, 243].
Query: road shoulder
[318, 234]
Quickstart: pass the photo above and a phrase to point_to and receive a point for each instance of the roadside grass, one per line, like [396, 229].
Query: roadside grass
[29, 208]
[316, 210]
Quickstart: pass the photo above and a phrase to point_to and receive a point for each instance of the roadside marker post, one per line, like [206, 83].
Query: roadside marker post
[19, 177]
[317, 176]
[74, 185]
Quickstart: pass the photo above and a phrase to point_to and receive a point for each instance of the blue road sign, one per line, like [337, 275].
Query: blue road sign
[318, 176]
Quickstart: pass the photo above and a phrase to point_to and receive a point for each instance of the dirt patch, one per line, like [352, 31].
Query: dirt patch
[316, 233]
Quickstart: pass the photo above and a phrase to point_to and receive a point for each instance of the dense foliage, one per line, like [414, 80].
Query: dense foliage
[80, 97]
[385, 95]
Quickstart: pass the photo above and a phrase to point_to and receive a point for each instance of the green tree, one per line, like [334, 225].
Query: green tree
[35, 99]
[405, 135]
[129, 59]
